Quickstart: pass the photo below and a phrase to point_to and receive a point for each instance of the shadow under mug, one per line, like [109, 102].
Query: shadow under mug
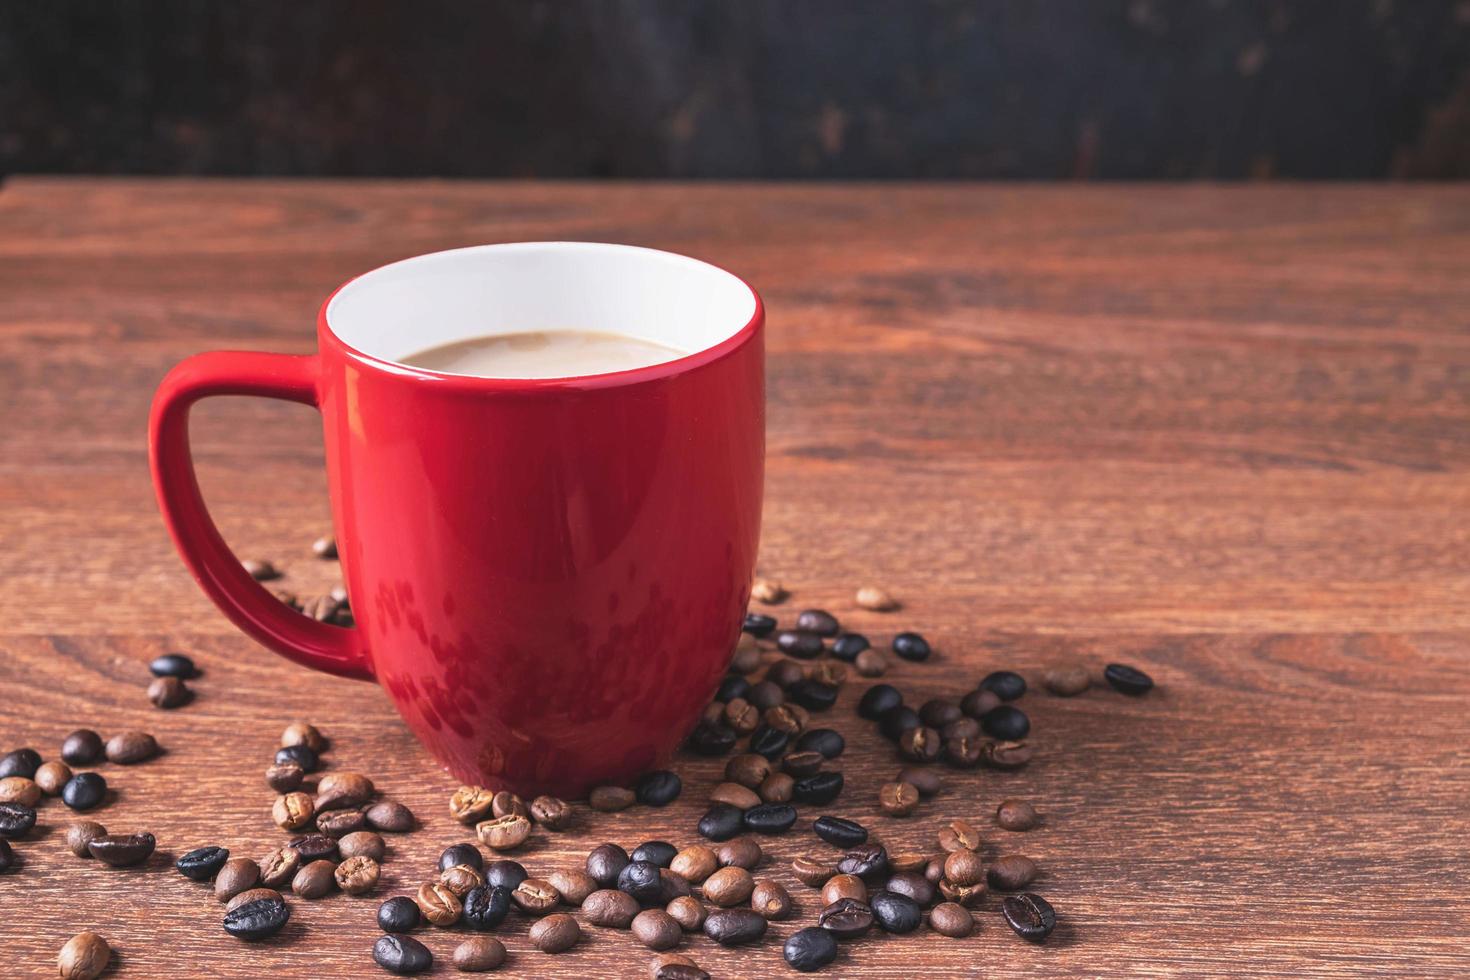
[548, 576]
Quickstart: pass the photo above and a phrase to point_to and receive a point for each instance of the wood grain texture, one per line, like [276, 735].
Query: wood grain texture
[1215, 432]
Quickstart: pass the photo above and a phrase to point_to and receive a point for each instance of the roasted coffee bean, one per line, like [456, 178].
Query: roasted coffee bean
[402, 955]
[1030, 915]
[316, 847]
[573, 886]
[711, 739]
[914, 885]
[768, 591]
[979, 702]
[878, 700]
[19, 789]
[359, 875]
[611, 799]
[694, 864]
[769, 742]
[963, 727]
[16, 820]
[658, 788]
[317, 879]
[82, 833]
[747, 655]
[437, 904]
[1016, 815]
[202, 863]
[848, 645]
[84, 957]
[509, 874]
[839, 887]
[551, 812]
[876, 599]
[259, 919]
[641, 880]
[688, 912]
[934, 870]
[130, 748]
[828, 742]
[812, 694]
[812, 872]
[799, 643]
[964, 867]
[970, 896]
[259, 569]
[729, 887]
[505, 803]
[302, 755]
[343, 791]
[870, 663]
[742, 716]
[486, 907]
[234, 876]
[1006, 684]
[951, 919]
[82, 747]
[400, 914]
[279, 866]
[51, 777]
[732, 927]
[898, 720]
[656, 852]
[535, 896]
[555, 933]
[784, 673]
[911, 646]
[840, 832]
[907, 861]
[758, 625]
[810, 949]
[1067, 682]
[20, 762]
[937, 712]
[284, 777]
[605, 862]
[818, 790]
[817, 621]
[672, 886]
[829, 672]
[898, 799]
[610, 908]
[732, 687]
[868, 861]
[471, 804]
[926, 781]
[84, 791]
[742, 852]
[254, 894]
[962, 752]
[765, 695]
[919, 744]
[846, 918]
[293, 811]
[389, 817]
[1005, 755]
[478, 954]
[325, 547]
[656, 929]
[466, 854]
[777, 788]
[1011, 872]
[771, 818]
[1127, 680]
[958, 835]
[1006, 722]
[678, 968]
[169, 692]
[802, 764]
[789, 718]
[896, 913]
[734, 795]
[504, 833]
[340, 823]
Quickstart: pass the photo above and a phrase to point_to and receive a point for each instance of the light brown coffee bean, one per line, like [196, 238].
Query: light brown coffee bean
[875, 599]
[82, 833]
[742, 716]
[340, 823]
[279, 866]
[967, 895]
[551, 813]
[1005, 755]
[506, 803]
[748, 770]
[898, 799]
[536, 896]
[438, 904]
[870, 663]
[657, 929]
[359, 875]
[389, 817]
[739, 852]
[907, 861]
[958, 835]
[786, 717]
[1012, 872]
[478, 954]
[919, 744]
[316, 879]
[461, 879]
[251, 895]
[130, 748]
[735, 795]
[84, 957]
[260, 570]
[777, 788]
[688, 912]
[169, 692]
[236, 876]
[770, 899]
[574, 886]
[610, 908]
[844, 886]
[284, 777]
[964, 867]
[694, 864]
[1067, 682]
[556, 933]
[19, 789]
[611, 799]
[729, 887]
[785, 672]
[813, 871]
[504, 833]
[293, 811]
[951, 919]
[768, 591]
[343, 791]
[471, 804]
[1016, 815]
[51, 777]
[362, 843]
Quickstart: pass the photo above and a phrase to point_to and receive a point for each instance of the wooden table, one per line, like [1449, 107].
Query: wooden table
[1220, 433]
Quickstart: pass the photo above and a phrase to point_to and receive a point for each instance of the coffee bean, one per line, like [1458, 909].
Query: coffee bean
[253, 895]
[1067, 682]
[555, 933]
[437, 904]
[911, 646]
[926, 781]
[302, 755]
[765, 695]
[898, 720]
[82, 747]
[810, 949]
[610, 908]
[913, 885]
[709, 739]
[1006, 684]
[259, 919]
[732, 927]
[389, 817]
[16, 820]
[478, 954]
[656, 852]
[907, 861]
[657, 929]
[784, 673]
[729, 886]
[658, 788]
[733, 794]
[812, 872]
[878, 700]
[840, 832]
[284, 777]
[340, 823]
[741, 852]
[846, 918]
[486, 907]
[1016, 815]
[1006, 722]
[611, 799]
[979, 702]
[316, 847]
[505, 803]
[964, 867]
[747, 656]
[868, 861]
[671, 966]
[694, 864]
[84, 957]
[919, 744]
[826, 741]
[672, 886]
[51, 777]
[641, 880]
[1012, 872]
[279, 866]
[817, 621]
[573, 886]
[504, 833]
[202, 863]
[325, 547]
[870, 663]
[402, 955]
[317, 879]
[962, 752]
[82, 833]
[958, 835]
[876, 599]
[742, 716]
[839, 887]
[1005, 755]
[812, 694]
[952, 920]
[818, 790]
[1127, 680]
[937, 712]
[788, 718]
[399, 914]
[130, 748]
[470, 804]
[769, 742]
[605, 862]
[848, 645]
[758, 625]
[84, 791]
[343, 791]
[771, 818]
[169, 692]
[767, 590]
[19, 789]
[731, 688]
[963, 727]
[20, 762]
[234, 876]
[896, 913]
[970, 896]
[1030, 915]
[456, 854]
[293, 811]
[934, 870]
[799, 643]
[777, 788]
[551, 812]
[359, 875]
[508, 874]
[259, 569]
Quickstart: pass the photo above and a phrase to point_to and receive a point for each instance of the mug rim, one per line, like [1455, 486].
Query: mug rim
[327, 335]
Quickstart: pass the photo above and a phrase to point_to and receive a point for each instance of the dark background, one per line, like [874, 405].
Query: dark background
[1042, 89]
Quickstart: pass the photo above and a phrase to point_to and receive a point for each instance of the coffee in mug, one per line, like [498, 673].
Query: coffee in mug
[543, 354]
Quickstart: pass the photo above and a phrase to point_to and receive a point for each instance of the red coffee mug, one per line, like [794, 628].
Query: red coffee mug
[548, 576]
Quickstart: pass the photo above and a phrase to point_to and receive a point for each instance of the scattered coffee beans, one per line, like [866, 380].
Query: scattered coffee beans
[317, 879]
[1067, 682]
[846, 918]
[610, 908]
[688, 912]
[866, 861]
[952, 920]
[293, 811]
[258, 919]
[911, 646]
[234, 876]
[964, 867]
[402, 955]
[1011, 872]
[611, 799]
[130, 748]
[551, 813]
[82, 747]
[316, 847]
[848, 645]
[979, 702]
[897, 721]
[896, 913]
[16, 820]
[1127, 680]
[1016, 815]
[82, 833]
[919, 744]
[84, 957]
[758, 625]
[778, 787]
[398, 914]
[556, 933]
[605, 862]
[1006, 722]
[279, 866]
[478, 954]
[657, 852]
[812, 872]
[870, 663]
[340, 823]
[20, 762]
[19, 789]
[913, 885]
[657, 929]
[51, 777]
[658, 788]
[504, 833]
[470, 804]
[733, 927]
[818, 790]
[742, 852]
[121, 850]
[1006, 684]
[840, 832]
[875, 599]
[799, 643]
[535, 896]
[486, 907]
[728, 887]
[926, 781]
[574, 886]
[843, 886]
[770, 818]
[722, 821]
[898, 799]
[769, 591]
[284, 777]
[389, 817]
[1005, 755]
[359, 875]
[169, 692]
[694, 864]
[84, 791]
[250, 896]
[504, 873]
[642, 880]
[437, 904]
[200, 864]
[958, 835]
[813, 694]
[878, 700]
[1030, 915]
[810, 949]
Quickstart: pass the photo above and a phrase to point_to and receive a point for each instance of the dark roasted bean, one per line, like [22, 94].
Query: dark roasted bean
[250, 896]
[962, 752]
[711, 739]
[769, 742]
[765, 695]
[770, 818]
[919, 744]
[402, 955]
[389, 817]
[610, 908]
[1127, 680]
[84, 791]
[302, 755]
[1010, 872]
[1016, 815]
[1006, 722]
[911, 646]
[878, 700]
[812, 694]
[777, 788]
[556, 933]
[173, 665]
[130, 748]
[926, 781]
[747, 655]
[1006, 684]
[827, 741]
[202, 863]
[486, 907]
[846, 918]
[784, 673]
[896, 721]
[758, 625]
[799, 643]
[802, 764]
[896, 913]
[840, 832]
[284, 777]
[657, 929]
[20, 762]
[258, 919]
[810, 949]
[964, 727]
[1005, 755]
[81, 748]
[818, 790]
[979, 702]
[937, 712]
[732, 927]
[508, 874]
[913, 885]
[817, 621]
[641, 880]
[1067, 682]
[951, 919]
[16, 820]
[658, 852]
[169, 692]
[849, 645]
[868, 861]
[672, 886]
[316, 847]
[732, 687]
[340, 823]
[1030, 915]
[605, 862]
[658, 788]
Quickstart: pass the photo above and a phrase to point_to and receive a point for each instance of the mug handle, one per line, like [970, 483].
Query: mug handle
[334, 649]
